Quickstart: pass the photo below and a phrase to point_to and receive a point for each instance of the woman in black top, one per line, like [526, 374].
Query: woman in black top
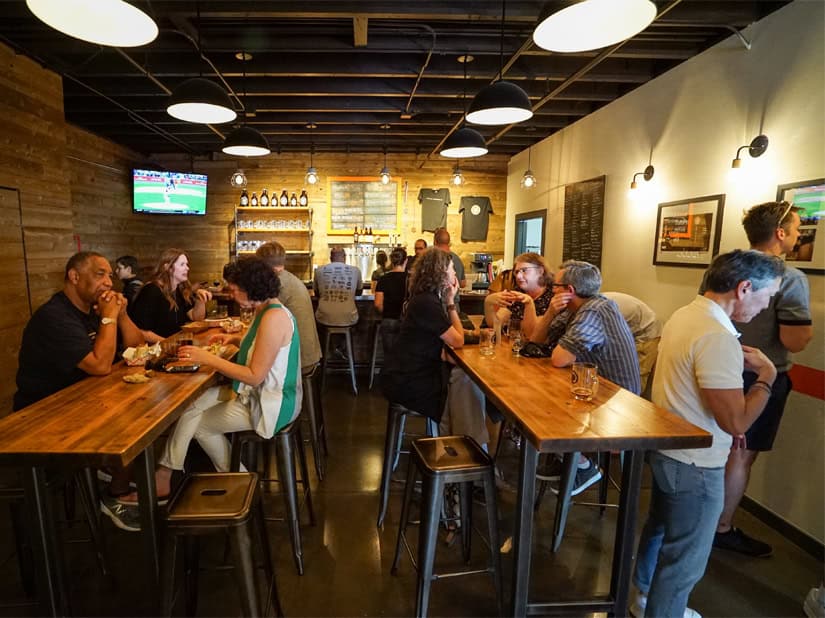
[168, 300]
[390, 293]
[415, 374]
[529, 301]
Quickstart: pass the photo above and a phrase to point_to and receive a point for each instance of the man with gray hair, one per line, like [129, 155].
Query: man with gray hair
[585, 326]
[699, 377]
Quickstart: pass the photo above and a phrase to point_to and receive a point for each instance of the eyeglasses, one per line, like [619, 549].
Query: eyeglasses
[784, 214]
[521, 271]
[558, 285]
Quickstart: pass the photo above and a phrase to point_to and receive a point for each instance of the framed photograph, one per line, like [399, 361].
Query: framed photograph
[688, 231]
[809, 196]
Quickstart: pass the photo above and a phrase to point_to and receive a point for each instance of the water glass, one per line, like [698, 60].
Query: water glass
[516, 336]
[584, 381]
[247, 313]
[486, 342]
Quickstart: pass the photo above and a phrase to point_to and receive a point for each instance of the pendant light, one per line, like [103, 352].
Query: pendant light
[501, 102]
[201, 100]
[312, 173]
[528, 181]
[246, 141]
[106, 22]
[584, 25]
[384, 175]
[458, 177]
[465, 143]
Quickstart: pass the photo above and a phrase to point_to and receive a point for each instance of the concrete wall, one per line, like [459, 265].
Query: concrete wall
[688, 123]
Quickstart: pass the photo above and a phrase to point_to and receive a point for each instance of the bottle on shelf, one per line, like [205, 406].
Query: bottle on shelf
[284, 199]
[264, 199]
[355, 235]
[254, 200]
[303, 200]
[293, 201]
[244, 198]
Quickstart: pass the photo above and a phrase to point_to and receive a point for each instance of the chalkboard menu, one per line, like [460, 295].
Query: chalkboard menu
[363, 202]
[583, 218]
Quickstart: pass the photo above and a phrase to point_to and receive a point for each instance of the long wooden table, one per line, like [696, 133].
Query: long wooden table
[99, 421]
[536, 397]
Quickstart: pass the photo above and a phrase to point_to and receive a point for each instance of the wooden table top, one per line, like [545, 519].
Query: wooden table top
[100, 420]
[537, 396]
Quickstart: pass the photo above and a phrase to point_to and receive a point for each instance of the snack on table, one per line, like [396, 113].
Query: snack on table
[232, 326]
[141, 377]
[139, 355]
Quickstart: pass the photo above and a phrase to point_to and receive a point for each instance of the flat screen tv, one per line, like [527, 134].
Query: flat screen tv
[168, 193]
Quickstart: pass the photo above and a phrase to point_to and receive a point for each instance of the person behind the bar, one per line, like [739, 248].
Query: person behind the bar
[699, 377]
[381, 259]
[127, 270]
[167, 301]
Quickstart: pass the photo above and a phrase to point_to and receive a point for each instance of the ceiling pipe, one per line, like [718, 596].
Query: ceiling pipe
[423, 68]
[582, 71]
[691, 24]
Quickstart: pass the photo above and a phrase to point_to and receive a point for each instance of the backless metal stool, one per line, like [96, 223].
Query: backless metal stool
[376, 338]
[396, 421]
[211, 503]
[289, 444]
[313, 407]
[346, 331]
[448, 459]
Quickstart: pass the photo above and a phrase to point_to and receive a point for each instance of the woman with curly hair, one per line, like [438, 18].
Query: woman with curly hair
[168, 300]
[266, 375]
[415, 374]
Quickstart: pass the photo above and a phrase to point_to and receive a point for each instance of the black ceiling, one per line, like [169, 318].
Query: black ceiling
[308, 67]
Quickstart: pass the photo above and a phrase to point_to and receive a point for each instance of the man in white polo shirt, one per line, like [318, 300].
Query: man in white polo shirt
[699, 377]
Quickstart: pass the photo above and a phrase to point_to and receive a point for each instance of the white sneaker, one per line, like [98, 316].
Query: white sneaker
[814, 605]
[637, 607]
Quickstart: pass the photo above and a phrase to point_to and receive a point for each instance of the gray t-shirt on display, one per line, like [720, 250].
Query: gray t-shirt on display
[475, 218]
[336, 286]
[790, 306]
[434, 204]
[295, 297]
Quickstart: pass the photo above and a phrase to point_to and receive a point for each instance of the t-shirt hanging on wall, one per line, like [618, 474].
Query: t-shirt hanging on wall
[434, 204]
[476, 217]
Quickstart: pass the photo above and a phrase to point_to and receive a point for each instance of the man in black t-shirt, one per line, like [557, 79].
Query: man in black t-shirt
[74, 334]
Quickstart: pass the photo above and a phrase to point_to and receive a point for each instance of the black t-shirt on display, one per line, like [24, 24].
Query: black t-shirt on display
[56, 339]
[475, 217]
[394, 287]
[434, 203]
[151, 311]
[414, 374]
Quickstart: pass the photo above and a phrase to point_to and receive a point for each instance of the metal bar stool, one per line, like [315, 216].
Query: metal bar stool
[211, 503]
[448, 459]
[396, 421]
[290, 444]
[565, 499]
[376, 337]
[346, 331]
[313, 406]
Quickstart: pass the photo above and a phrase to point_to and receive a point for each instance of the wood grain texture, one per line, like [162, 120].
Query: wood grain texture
[537, 396]
[101, 420]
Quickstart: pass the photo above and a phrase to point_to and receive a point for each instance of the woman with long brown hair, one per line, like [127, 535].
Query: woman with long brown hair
[415, 374]
[168, 300]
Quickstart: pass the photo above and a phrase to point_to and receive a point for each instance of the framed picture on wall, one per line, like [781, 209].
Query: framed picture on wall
[688, 231]
[809, 196]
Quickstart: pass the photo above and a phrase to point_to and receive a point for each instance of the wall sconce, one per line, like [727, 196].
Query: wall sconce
[528, 181]
[458, 178]
[756, 149]
[647, 175]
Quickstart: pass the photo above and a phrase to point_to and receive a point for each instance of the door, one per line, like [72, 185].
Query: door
[530, 232]
[15, 309]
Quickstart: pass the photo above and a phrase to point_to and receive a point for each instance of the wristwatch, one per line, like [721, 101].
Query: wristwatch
[107, 320]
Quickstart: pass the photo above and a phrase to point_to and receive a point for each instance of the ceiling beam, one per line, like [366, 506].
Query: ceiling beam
[359, 31]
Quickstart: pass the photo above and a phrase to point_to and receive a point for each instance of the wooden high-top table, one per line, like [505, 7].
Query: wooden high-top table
[99, 421]
[536, 397]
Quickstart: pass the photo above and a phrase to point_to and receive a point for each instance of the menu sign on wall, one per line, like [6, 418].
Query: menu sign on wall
[363, 203]
[583, 218]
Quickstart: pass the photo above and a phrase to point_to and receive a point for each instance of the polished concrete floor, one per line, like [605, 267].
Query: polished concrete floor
[348, 559]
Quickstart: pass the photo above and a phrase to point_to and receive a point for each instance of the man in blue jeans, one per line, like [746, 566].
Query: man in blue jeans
[699, 377]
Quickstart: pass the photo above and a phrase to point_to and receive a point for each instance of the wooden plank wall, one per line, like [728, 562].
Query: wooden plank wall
[206, 239]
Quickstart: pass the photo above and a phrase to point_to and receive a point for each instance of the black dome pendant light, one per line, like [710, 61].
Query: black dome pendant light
[246, 141]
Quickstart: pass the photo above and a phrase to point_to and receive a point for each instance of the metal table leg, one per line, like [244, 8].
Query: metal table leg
[148, 504]
[48, 558]
[626, 531]
[523, 539]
